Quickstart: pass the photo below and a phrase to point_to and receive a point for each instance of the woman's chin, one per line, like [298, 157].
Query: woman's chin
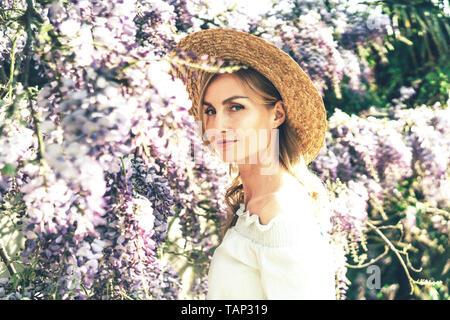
[238, 159]
[228, 159]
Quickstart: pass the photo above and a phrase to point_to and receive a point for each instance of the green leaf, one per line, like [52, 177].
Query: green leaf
[419, 217]
[15, 282]
[8, 170]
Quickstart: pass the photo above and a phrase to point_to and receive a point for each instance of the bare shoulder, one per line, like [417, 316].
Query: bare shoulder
[276, 204]
[293, 198]
[293, 195]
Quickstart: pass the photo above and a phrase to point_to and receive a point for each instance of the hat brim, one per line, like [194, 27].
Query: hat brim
[305, 110]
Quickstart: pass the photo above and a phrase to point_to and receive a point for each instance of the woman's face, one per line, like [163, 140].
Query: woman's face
[230, 114]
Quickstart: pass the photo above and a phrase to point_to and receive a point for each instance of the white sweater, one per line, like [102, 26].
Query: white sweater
[288, 258]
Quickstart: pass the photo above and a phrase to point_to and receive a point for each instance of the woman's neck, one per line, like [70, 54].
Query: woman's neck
[257, 184]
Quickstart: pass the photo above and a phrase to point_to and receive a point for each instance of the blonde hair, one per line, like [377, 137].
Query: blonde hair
[264, 92]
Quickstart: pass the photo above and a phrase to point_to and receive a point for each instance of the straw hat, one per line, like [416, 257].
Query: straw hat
[305, 111]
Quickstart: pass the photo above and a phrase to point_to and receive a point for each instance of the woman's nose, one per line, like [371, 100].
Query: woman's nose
[222, 121]
[219, 127]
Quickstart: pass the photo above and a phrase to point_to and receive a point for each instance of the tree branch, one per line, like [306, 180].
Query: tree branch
[4, 257]
[386, 250]
[393, 248]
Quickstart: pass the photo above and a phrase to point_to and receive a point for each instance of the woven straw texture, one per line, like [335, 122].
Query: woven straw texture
[305, 111]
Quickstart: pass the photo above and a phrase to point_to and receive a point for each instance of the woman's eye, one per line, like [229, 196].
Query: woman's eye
[234, 106]
[237, 106]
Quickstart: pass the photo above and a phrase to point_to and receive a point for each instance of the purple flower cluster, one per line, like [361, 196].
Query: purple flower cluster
[366, 158]
[382, 152]
[349, 215]
[182, 13]
[241, 15]
[16, 145]
[130, 268]
[156, 22]
[428, 138]
[326, 39]
[364, 149]
[310, 42]
[111, 166]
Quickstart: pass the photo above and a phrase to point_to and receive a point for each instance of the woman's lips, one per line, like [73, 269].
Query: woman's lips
[225, 144]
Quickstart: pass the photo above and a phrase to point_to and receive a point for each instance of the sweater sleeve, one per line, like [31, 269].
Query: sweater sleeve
[296, 273]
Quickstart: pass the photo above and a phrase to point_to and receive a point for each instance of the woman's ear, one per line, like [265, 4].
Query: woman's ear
[279, 115]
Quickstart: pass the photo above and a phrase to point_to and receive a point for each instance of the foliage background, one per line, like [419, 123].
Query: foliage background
[382, 68]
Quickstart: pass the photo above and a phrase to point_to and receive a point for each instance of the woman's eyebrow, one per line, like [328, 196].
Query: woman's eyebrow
[227, 100]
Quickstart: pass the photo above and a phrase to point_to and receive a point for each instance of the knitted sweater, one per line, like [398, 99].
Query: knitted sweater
[289, 258]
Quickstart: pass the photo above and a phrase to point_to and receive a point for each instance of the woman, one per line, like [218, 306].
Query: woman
[275, 244]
